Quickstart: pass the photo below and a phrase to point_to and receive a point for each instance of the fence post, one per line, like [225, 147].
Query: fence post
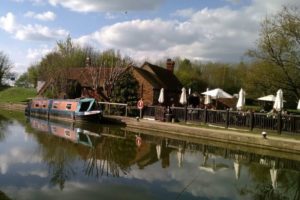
[185, 113]
[251, 121]
[279, 122]
[205, 115]
[126, 110]
[227, 119]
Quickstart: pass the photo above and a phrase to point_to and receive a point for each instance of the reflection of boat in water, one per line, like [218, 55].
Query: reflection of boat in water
[69, 132]
[71, 109]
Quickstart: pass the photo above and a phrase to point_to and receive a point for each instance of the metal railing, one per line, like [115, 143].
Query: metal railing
[225, 118]
[108, 108]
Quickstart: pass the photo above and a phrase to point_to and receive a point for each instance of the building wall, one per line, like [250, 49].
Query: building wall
[145, 89]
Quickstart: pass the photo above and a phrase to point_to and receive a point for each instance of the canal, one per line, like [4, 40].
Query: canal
[58, 160]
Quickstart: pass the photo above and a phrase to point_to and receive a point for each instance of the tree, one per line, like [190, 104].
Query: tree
[108, 65]
[125, 89]
[278, 53]
[56, 65]
[190, 75]
[23, 81]
[5, 67]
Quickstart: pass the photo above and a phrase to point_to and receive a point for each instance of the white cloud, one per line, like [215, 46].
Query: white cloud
[104, 5]
[184, 13]
[45, 16]
[220, 34]
[30, 32]
[38, 53]
[39, 33]
[8, 22]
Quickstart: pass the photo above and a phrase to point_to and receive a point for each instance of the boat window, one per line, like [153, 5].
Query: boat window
[94, 106]
[84, 106]
[55, 105]
[36, 105]
[83, 138]
[69, 106]
[44, 106]
[67, 133]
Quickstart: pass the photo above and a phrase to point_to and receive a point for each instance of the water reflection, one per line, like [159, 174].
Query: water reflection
[153, 165]
[108, 151]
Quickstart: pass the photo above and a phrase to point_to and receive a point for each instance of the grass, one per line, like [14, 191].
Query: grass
[16, 94]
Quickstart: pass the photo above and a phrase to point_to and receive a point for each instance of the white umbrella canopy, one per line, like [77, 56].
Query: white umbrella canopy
[161, 98]
[278, 104]
[183, 99]
[241, 100]
[217, 93]
[298, 107]
[270, 97]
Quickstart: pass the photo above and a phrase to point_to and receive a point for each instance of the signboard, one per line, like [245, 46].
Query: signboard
[140, 104]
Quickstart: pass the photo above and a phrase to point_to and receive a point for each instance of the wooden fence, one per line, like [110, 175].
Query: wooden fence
[12, 106]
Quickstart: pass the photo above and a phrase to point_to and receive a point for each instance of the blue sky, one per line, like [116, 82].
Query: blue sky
[206, 30]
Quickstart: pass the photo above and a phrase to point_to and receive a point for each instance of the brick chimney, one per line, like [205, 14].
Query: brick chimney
[88, 62]
[170, 65]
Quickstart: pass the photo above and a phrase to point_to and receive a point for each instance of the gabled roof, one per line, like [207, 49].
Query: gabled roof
[165, 78]
[148, 77]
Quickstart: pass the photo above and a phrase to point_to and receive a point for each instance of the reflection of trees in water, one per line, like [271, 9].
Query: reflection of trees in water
[291, 183]
[4, 122]
[3, 196]
[263, 188]
[267, 192]
[60, 166]
[59, 155]
[110, 156]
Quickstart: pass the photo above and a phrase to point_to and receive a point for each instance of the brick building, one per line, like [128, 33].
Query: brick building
[151, 78]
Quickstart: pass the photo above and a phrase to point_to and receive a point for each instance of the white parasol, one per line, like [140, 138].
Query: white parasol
[161, 98]
[217, 93]
[183, 99]
[278, 104]
[241, 100]
[207, 99]
[270, 97]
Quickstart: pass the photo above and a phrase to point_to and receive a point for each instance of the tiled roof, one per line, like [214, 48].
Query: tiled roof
[148, 76]
[164, 77]
[83, 75]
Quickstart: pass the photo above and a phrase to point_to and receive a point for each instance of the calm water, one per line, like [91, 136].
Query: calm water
[51, 160]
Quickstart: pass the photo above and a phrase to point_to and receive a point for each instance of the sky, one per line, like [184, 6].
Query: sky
[146, 30]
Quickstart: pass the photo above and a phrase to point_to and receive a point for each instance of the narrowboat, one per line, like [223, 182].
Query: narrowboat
[70, 109]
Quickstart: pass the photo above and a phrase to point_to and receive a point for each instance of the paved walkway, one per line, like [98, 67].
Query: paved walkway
[232, 136]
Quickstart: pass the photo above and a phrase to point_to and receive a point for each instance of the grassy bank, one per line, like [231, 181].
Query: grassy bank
[16, 94]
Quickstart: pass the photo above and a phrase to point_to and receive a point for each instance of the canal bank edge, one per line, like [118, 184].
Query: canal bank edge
[225, 135]
[230, 136]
